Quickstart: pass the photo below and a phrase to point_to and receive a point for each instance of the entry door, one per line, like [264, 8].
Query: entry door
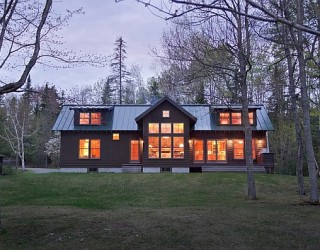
[134, 151]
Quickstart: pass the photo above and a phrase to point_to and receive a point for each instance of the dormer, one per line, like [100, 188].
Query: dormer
[90, 116]
[233, 116]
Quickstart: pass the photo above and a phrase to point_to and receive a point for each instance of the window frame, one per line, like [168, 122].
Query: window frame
[216, 150]
[90, 149]
[91, 119]
[230, 116]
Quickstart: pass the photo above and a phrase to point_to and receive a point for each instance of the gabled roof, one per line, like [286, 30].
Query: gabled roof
[162, 100]
[125, 117]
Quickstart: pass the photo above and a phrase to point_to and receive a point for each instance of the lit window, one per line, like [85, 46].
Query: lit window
[134, 150]
[90, 118]
[96, 118]
[166, 147]
[178, 128]
[236, 118]
[166, 113]
[84, 118]
[238, 149]
[224, 118]
[89, 149]
[178, 147]
[198, 150]
[115, 137]
[153, 147]
[165, 128]
[251, 121]
[153, 128]
[216, 150]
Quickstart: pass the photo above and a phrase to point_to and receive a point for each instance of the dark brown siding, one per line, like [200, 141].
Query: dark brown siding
[176, 116]
[113, 153]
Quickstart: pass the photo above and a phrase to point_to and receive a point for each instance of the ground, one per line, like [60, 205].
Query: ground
[155, 211]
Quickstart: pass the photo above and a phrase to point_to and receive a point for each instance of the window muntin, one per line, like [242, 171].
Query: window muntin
[178, 147]
[89, 149]
[166, 147]
[165, 128]
[238, 149]
[236, 118]
[115, 136]
[84, 118]
[87, 118]
[224, 118]
[153, 147]
[178, 128]
[198, 150]
[134, 150]
[216, 150]
[153, 128]
[165, 113]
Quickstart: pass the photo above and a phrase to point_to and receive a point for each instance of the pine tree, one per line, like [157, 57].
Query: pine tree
[120, 73]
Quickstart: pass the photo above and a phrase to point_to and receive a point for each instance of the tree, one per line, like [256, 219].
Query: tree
[27, 37]
[120, 75]
[17, 126]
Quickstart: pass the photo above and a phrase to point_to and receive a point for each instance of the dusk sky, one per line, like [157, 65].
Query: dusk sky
[96, 32]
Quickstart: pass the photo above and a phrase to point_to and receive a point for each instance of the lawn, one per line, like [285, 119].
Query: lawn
[154, 211]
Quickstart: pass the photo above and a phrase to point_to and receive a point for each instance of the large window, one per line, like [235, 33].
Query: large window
[224, 118]
[198, 150]
[89, 149]
[178, 147]
[178, 128]
[93, 118]
[216, 150]
[166, 147]
[153, 145]
[164, 143]
[238, 149]
[153, 128]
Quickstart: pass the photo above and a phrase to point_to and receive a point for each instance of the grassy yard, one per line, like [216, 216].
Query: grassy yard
[154, 211]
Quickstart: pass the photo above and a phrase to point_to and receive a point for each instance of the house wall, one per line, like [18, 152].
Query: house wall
[176, 116]
[113, 153]
[259, 138]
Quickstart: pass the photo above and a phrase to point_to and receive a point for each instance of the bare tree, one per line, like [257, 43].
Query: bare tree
[28, 36]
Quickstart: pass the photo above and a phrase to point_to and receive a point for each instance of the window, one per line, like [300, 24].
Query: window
[89, 149]
[198, 150]
[216, 150]
[153, 128]
[236, 118]
[84, 118]
[166, 113]
[153, 145]
[165, 147]
[95, 118]
[224, 118]
[178, 128]
[238, 149]
[87, 118]
[115, 136]
[251, 118]
[134, 150]
[178, 147]
[165, 128]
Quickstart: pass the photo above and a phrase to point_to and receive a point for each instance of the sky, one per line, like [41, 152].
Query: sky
[96, 31]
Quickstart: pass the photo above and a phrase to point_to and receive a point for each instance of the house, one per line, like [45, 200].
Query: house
[163, 137]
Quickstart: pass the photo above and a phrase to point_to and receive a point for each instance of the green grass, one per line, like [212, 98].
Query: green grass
[154, 211]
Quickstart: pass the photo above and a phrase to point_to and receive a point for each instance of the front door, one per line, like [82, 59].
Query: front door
[134, 151]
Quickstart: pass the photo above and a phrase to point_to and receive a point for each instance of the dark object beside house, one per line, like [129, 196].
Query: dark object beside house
[163, 137]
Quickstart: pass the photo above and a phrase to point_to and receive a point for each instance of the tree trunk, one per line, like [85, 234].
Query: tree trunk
[314, 195]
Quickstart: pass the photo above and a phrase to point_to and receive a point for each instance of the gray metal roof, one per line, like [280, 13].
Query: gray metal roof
[122, 118]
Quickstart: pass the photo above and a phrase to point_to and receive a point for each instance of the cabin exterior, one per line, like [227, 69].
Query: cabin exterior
[163, 137]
